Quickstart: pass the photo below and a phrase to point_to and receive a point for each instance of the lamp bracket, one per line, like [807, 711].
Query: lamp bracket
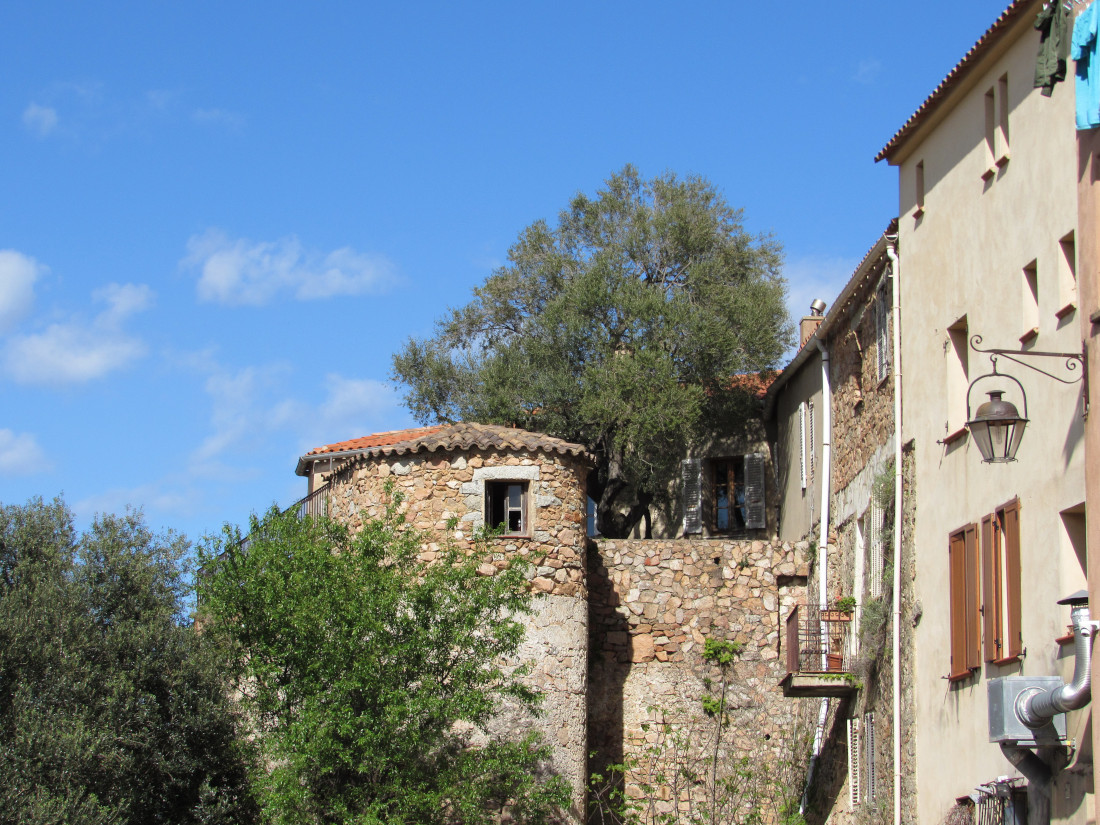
[993, 374]
[1074, 361]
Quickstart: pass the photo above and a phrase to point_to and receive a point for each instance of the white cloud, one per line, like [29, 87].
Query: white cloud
[39, 120]
[76, 351]
[811, 277]
[219, 117]
[867, 71]
[17, 276]
[20, 454]
[240, 271]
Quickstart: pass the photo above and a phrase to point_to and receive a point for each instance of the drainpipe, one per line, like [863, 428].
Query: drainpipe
[822, 556]
[895, 273]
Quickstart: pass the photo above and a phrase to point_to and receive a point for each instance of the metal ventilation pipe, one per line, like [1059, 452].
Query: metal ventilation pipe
[1036, 706]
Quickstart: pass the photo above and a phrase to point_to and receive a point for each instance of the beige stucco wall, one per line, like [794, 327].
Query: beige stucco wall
[799, 508]
[965, 256]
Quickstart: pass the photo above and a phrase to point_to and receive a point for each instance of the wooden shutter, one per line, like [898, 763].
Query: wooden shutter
[802, 441]
[991, 618]
[882, 331]
[964, 575]
[956, 556]
[755, 516]
[973, 604]
[854, 763]
[869, 752]
[692, 471]
[1014, 644]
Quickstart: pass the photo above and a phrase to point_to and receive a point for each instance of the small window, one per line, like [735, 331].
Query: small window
[506, 506]
[920, 190]
[1030, 303]
[958, 374]
[1067, 277]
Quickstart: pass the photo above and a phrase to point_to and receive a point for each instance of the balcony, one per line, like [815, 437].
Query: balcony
[820, 649]
[315, 504]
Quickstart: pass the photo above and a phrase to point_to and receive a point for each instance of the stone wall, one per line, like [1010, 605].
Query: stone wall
[653, 604]
[444, 488]
[863, 406]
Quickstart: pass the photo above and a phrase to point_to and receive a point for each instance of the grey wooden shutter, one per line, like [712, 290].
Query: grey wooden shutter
[692, 469]
[754, 491]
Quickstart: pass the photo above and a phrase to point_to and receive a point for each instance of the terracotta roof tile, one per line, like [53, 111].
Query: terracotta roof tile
[375, 440]
[449, 437]
[955, 76]
[756, 383]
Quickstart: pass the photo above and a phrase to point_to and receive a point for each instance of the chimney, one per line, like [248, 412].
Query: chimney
[811, 322]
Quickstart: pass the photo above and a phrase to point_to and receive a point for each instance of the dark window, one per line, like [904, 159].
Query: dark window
[725, 494]
[506, 506]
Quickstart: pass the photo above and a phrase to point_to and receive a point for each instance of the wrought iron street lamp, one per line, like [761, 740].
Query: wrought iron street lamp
[997, 426]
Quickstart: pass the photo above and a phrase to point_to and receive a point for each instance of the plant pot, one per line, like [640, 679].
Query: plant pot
[835, 616]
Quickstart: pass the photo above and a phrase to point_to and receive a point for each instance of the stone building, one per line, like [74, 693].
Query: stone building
[532, 484]
[832, 409]
[616, 639]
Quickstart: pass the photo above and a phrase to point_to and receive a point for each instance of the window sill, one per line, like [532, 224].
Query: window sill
[918, 212]
[958, 435]
[1067, 639]
[1002, 161]
[1029, 336]
[1008, 660]
[954, 678]
[1068, 309]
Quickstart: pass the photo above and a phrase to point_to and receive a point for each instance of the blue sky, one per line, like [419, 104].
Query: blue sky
[220, 219]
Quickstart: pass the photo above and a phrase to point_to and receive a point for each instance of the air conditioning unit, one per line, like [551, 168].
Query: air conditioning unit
[1005, 726]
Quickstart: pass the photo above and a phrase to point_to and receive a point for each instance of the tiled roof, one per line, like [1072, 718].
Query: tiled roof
[956, 75]
[450, 438]
[756, 383]
[375, 440]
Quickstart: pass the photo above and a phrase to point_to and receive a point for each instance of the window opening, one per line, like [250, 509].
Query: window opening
[505, 506]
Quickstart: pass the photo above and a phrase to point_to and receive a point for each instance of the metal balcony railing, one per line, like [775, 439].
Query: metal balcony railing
[315, 504]
[819, 641]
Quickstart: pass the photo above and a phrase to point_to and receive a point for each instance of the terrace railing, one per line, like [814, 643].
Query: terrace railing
[819, 641]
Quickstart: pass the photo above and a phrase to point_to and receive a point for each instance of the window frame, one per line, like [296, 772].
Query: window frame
[496, 488]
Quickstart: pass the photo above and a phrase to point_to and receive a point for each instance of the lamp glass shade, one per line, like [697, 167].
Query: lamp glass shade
[997, 428]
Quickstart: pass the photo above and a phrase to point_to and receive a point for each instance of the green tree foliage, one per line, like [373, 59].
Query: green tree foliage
[370, 675]
[111, 706]
[618, 328]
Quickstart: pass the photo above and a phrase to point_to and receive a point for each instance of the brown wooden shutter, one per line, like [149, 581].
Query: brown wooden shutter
[1014, 644]
[973, 606]
[956, 560]
[990, 596]
[754, 492]
[692, 471]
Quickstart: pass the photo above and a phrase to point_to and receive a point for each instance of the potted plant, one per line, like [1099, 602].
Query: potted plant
[841, 611]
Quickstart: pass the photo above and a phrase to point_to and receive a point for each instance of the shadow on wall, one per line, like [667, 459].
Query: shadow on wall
[831, 772]
[609, 663]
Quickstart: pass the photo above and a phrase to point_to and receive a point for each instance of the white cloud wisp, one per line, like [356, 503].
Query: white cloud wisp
[244, 272]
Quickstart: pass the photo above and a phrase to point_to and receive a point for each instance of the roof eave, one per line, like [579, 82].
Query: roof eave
[1011, 24]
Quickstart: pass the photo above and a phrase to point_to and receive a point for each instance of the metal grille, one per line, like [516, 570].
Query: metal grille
[819, 641]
